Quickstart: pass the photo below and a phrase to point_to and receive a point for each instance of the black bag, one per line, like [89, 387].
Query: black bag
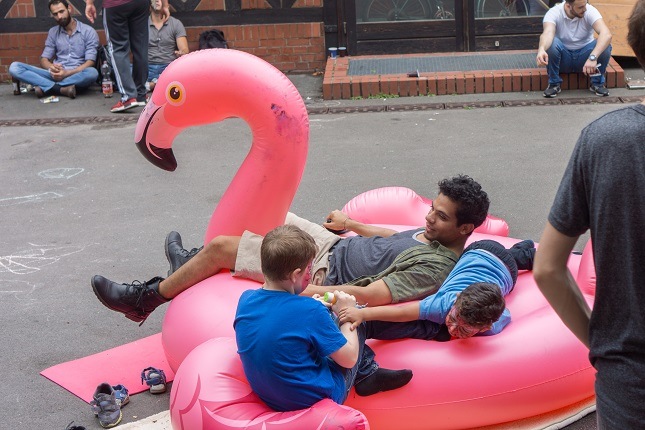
[212, 39]
[102, 55]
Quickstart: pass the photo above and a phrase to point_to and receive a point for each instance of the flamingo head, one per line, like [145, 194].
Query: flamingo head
[186, 95]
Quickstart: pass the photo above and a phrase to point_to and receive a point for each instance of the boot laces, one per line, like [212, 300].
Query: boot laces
[135, 293]
[189, 254]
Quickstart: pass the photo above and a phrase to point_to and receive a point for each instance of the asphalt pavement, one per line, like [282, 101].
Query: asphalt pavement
[78, 200]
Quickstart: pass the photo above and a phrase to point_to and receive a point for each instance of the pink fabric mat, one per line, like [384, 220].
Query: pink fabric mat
[120, 365]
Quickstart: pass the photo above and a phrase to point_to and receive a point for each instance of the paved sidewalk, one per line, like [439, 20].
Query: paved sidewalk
[92, 107]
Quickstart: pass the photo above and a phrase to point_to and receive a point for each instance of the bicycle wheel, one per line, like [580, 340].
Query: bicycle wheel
[502, 8]
[437, 11]
[396, 10]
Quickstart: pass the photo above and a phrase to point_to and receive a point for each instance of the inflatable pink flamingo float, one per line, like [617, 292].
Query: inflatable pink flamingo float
[533, 367]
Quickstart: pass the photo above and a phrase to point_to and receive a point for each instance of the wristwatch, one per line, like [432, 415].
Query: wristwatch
[592, 57]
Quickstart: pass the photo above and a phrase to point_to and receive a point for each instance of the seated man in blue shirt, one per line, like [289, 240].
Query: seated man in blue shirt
[469, 302]
[67, 62]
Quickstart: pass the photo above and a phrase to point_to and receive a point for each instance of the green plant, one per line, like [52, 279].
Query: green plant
[383, 96]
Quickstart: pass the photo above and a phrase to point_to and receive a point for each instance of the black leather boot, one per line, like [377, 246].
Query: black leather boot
[136, 300]
[176, 254]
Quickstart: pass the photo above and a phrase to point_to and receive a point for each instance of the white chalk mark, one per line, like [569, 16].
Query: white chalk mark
[31, 260]
[61, 173]
[10, 201]
[15, 288]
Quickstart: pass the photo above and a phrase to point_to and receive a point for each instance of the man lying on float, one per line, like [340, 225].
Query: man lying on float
[470, 301]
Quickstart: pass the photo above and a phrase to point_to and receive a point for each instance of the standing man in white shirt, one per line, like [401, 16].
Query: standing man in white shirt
[567, 45]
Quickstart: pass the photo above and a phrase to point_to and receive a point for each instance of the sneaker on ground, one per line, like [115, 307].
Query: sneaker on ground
[71, 426]
[124, 105]
[121, 394]
[105, 406]
[155, 379]
[600, 90]
[136, 300]
[176, 254]
[552, 90]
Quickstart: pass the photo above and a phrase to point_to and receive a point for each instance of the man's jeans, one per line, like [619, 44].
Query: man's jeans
[155, 70]
[40, 77]
[562, 60]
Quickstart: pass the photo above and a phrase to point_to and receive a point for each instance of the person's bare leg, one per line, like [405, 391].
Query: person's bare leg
[218, 254]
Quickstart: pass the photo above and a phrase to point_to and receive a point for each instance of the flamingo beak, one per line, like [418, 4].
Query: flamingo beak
[160, 157]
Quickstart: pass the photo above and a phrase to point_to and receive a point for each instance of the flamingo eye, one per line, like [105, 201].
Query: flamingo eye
[175, 94]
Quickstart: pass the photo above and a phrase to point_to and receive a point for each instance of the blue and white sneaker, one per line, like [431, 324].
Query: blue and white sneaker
[121, 394]
[155, 379]
[105, 406]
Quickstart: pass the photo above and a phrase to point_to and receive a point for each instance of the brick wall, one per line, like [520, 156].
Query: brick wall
[291, 47]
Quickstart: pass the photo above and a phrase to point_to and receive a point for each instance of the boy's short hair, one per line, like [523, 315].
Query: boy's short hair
[285, 249]
[472, 201]
[480, 304]
[636, 31]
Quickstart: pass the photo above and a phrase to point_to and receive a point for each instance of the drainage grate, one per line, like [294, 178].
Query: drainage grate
[391, 66]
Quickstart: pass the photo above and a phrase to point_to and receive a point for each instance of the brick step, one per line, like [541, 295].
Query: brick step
[337, 84]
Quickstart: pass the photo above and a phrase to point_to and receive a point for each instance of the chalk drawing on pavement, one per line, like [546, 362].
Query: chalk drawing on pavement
[32, 198]
[33, 259]
[61, 172]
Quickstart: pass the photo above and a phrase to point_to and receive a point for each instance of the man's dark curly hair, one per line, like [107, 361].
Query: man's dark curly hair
[472, 201]
[480, 304]
[53, 2]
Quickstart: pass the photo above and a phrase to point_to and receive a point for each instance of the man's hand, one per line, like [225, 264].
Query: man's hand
[165, 13]
[352, 315]
[57, 72]
[90, 11]
[343, 300]
[590, 67]
[542, 58]
[336, 221]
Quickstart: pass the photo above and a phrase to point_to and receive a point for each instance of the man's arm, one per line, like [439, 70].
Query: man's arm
[339, 221]
[90, 10]
[58, 73]
[603, 41]
[498, 325]
[394, 313]
[165, 10]
[375, 294]
[546, 39]
[182, 46]
[557, 284]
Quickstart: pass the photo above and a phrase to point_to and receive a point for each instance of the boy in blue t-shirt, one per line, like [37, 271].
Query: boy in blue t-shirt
[469, 302]
[293, 352]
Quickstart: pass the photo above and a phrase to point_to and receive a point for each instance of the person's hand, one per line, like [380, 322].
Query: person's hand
[336, 221]
[90, 12]
[165, 13]
[590, 67]
[57, 72]
[321, 299]
[343, 300]
[542, 58]
[352, 315]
